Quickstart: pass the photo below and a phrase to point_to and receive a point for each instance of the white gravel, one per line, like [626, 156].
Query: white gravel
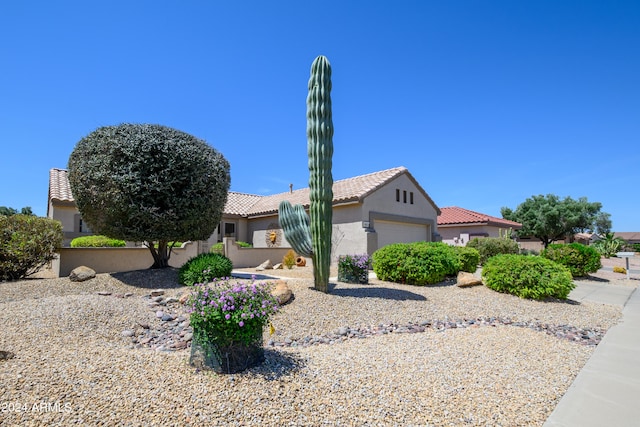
[72, 366]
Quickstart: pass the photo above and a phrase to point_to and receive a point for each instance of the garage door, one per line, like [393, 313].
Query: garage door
[400, 232]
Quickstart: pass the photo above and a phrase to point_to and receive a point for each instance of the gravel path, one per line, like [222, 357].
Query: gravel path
[77, 364]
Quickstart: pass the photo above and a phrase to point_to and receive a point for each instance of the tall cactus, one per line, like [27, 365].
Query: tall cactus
[320, 152]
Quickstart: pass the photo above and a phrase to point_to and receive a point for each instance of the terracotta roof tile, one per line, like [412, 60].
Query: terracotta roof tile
[454, 215]
[59, 188]
[242, 204]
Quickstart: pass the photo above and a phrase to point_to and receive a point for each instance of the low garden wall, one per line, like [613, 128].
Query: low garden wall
[251, 257]
[111, 260]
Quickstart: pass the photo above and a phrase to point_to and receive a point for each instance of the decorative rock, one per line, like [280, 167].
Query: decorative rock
[265, 266]
[157, 292]
[6, 355]
[171, 300]
[159, 314]
[184, 298]
[467, 279]
[188, 336]
[281, 292]
[82, 273]
[127, 333]
[104, 293]
[278, 266]
[128, 294]
[167, 317]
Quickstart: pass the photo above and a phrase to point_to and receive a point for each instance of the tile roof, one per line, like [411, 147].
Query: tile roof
[59, 188]
[350, 190]
[628, 235]
[454, 215]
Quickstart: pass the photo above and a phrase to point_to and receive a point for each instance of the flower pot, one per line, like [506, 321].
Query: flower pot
[228, 358]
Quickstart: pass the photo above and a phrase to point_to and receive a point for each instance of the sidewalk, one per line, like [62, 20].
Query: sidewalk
[606, 392]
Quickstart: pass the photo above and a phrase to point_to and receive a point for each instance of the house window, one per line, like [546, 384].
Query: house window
[404, 196]
[229, 229]
[411, 197]
[397, 195]
[82, 227]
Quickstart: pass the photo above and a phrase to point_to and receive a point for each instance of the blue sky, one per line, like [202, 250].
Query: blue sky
[485, 102]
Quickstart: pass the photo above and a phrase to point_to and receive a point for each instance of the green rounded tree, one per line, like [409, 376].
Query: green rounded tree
[149, 183]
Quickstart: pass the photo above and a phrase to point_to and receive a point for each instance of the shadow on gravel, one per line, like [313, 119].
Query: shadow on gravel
[164, 278]
[278, 364]
[376, 292]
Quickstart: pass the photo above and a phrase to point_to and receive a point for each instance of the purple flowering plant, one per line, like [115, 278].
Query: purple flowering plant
[228, 311]
[354, 268]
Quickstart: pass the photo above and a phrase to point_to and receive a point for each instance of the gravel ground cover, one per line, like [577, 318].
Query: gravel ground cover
[76, 363]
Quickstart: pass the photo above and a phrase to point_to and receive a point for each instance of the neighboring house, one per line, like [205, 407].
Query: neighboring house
[457, 225]
[629, 236]
[369, 211]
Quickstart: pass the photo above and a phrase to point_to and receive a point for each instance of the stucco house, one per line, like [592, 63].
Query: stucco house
[369, 211]
[458, 225]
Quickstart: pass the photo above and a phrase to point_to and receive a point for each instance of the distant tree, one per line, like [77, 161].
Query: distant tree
[149, 183]
[11, 211]
[602, 224]
[550, 218]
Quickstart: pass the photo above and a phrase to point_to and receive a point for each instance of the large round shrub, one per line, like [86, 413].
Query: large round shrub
[469, 258]
[419, 263]
[27, 243]
[531, 277]
[578, 258]
[492, 246]
[97, 242]
[204, 268]
[149, 183]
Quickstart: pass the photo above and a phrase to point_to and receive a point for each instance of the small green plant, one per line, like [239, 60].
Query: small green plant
[97, 242]
[578, 258]
[419, 263]
[204, 268]
[289, 259]
[354, 268]
[219, 249]
[608, 245]
[469, 258]
[530, 277]
[618, 269]
[492, 246]
[27, 243]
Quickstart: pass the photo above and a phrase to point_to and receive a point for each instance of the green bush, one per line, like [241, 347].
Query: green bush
[204, 268]
[469, 258]
[218, 249]
[531, 277]
[578, 258]
[419, 263]
[492, 246]
[27, 243]
[97, 242]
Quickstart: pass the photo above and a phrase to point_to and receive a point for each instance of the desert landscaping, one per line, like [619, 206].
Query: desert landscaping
[114, 350]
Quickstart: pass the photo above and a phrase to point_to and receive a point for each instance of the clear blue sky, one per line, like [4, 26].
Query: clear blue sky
[485, 102]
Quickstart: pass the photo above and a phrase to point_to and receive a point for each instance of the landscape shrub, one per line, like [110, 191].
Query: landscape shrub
[354, 268]
[204, 268]
[469, 258]
[578, 258]
[608, 245]
[419, 263]
[27, 243]
[289, 259]
[97, 242]
[531, 277]
[618, 269]
[492, 246]
[218, 248]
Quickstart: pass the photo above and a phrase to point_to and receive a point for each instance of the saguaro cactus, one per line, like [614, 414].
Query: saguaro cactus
[298, 229]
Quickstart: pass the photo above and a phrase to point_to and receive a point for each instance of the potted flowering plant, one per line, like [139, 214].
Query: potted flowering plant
[354, 268]
[227, 320]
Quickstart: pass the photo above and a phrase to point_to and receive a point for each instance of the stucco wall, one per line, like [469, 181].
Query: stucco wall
[111, 260]
[466, 233]
[252, 257]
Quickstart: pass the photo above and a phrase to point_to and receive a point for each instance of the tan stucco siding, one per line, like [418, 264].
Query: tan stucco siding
[460, 235]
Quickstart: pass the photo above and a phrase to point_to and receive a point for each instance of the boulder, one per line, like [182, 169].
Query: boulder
[184, 298]
[82, 273]
[278, 266]
[468, 279]
[265, 266]
[281, 292]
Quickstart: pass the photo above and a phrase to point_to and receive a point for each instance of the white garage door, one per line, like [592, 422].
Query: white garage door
[400, 232]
